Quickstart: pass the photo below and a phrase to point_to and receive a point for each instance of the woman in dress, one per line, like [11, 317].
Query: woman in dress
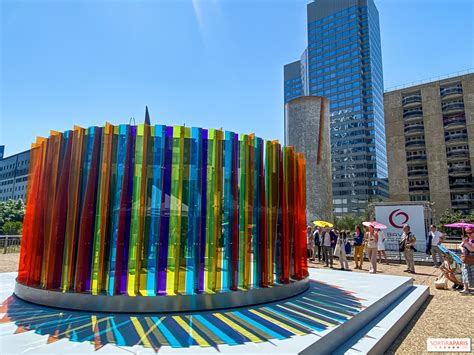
[381, 246]
[371, 238]
[340, 250]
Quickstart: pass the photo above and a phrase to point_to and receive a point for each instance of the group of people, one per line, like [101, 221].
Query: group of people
[326, 243]
[461, 275]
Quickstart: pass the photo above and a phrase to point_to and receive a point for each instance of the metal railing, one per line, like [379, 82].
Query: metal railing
[452, 106]
[454, 123]
[459, 169]
[415, 142]
[429, 80]
[416, 157]
[458, 153]
[456, 136]
[10, 243]
[414, 127]
[417, 173]
[412, 113]
[411, 99]
[451, 90]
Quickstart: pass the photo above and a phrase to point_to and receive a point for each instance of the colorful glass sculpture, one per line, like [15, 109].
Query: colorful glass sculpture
[158, 210]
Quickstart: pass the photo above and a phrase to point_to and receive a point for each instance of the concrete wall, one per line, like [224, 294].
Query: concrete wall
[435, 147]
[396, 154]
[468, 96]
[307, 129]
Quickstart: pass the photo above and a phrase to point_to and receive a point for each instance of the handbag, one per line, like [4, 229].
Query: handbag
[401, 245]
[467, 259]
[441, 283]
[337, 250]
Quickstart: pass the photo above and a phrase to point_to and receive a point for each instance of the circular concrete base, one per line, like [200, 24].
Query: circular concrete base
[158, 304]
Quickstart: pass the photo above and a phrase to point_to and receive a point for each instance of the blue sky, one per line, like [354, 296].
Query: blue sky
[203, 63]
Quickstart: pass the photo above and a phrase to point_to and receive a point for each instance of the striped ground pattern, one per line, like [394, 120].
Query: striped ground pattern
[321, 307]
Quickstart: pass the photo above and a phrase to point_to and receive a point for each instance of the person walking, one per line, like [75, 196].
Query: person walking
[436, 239]
[381, 246]
[341, 250]
[358, 248]
[467, 257]
[327, 247]
[372, 238]
[407, 245]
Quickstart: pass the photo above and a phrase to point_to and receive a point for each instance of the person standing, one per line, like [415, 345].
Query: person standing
[372, 239]
[317, 245]
[310, 243]
[407, 245]
[358, 248]
[467, 257]
[341, 250]
[436, 239]
[381, 246]
[327, 247]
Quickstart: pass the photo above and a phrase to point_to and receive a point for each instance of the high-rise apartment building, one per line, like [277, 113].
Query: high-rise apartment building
[343, 62]
[430, 143]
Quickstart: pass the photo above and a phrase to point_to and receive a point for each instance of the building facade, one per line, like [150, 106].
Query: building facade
[307, 129]
[14, 176]
[343, 62]
[430, 143]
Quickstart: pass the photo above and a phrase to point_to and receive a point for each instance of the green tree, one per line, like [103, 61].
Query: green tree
[349, 222]
[12, 228]
[11, 211]
[449, 217]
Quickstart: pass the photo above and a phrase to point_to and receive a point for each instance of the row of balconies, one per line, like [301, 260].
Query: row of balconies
[410, 100]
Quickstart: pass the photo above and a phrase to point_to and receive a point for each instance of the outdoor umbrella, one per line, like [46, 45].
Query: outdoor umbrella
[446, 251]
[461, 224]
[374, 224]
[323, 224]
[378, 225]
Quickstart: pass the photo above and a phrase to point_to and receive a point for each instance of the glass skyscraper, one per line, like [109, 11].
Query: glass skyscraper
[343, 62]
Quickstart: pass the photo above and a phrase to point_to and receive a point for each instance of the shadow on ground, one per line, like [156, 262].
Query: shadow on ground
[320, 307]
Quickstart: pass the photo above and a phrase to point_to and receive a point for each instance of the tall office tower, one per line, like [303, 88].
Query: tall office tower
[343, 62]
[430, 145]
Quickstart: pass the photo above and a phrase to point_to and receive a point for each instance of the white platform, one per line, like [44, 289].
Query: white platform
[343, 312]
